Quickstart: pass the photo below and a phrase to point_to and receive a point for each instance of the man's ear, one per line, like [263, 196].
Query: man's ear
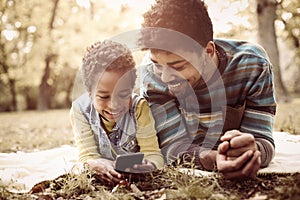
[210, 48]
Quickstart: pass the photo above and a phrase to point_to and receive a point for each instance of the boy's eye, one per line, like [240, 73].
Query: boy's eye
[158, 66]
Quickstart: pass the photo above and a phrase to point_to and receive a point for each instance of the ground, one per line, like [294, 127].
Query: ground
[33, 131]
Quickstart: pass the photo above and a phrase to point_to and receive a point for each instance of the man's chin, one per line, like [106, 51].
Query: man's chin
[176, 92]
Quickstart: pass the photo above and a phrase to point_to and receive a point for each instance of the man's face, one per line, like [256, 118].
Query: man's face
[175, 71]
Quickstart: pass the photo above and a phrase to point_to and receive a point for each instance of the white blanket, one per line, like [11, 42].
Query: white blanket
[20, 171]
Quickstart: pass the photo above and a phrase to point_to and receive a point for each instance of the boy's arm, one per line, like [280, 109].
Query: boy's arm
[146, 134]
[169, 123]
[83, 135]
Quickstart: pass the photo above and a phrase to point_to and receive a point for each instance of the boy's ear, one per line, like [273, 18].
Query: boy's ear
[90, 93]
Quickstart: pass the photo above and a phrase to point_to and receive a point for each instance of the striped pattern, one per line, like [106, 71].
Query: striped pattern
[246, 80]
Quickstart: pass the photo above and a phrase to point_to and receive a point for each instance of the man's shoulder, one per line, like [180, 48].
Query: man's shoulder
[242, 48]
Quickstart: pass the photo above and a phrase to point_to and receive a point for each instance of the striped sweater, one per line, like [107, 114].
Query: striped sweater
[240, 95]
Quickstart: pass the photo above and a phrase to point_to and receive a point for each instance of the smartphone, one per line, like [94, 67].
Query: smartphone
[128, 160]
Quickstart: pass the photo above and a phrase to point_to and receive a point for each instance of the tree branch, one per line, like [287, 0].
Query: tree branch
[51, 23]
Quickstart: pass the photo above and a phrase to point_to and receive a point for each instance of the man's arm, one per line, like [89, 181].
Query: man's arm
[242, 152]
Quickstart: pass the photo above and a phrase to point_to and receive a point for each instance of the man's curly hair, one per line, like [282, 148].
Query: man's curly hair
[189, 17]
[106, 56]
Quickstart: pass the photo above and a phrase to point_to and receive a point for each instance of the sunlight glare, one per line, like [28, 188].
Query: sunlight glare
[18, 24]
[31, 29]
[10, 34]
[279, 24]
[224, 14]
[286, 16]
[83, 3]
[136, 4]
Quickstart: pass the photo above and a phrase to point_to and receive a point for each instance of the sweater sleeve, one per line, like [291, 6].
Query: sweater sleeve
[267, 151]
[259, 114]
[146, 134]
[83, 135]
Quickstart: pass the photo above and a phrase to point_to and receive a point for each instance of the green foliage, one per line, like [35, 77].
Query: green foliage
[289, 14]
[17, 38]
[27, 39]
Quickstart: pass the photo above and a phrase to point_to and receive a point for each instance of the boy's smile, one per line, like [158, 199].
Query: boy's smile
[112, 95]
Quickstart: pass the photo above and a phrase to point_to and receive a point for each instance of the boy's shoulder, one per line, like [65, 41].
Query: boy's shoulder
[84, 101]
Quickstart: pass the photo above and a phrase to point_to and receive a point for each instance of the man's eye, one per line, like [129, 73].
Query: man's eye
[102, 97]
[125, 95]
[179, 68]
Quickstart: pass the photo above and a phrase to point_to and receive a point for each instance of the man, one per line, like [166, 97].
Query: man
[214, 106]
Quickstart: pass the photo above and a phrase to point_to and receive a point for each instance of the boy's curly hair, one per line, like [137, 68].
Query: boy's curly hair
[189, 17]
[106, 56]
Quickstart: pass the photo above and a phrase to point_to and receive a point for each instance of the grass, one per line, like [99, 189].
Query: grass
[169, 183]
[288, 117]
[33, 131]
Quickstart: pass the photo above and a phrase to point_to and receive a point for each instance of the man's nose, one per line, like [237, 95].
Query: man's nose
[167, 74]
[114, 103]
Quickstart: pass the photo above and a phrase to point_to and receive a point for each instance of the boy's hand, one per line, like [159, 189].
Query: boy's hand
[145, 167]
[105, 171]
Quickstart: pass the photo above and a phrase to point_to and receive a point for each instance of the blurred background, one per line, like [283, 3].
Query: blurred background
[42, 42]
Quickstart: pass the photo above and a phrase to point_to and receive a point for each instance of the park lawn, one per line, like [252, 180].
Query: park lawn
[33, 131]
[287, 118]
[36, 130]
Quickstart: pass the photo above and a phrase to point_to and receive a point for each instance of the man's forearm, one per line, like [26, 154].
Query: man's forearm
[267, 151]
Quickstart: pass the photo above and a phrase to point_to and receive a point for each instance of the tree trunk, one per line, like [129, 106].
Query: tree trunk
[266, 15]
[44, 98]
[13, 92]
[11, 83]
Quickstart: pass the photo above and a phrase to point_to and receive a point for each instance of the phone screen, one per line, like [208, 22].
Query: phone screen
[128, 160]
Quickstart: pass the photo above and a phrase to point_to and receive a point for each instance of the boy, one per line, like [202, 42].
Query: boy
[110, 119]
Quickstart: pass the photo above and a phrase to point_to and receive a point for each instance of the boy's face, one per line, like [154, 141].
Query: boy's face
[112, 95]
[175, 71]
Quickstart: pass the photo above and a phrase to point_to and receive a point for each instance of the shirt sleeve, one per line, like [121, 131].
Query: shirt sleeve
[84, 137]
[258, 118]
[146, 134]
